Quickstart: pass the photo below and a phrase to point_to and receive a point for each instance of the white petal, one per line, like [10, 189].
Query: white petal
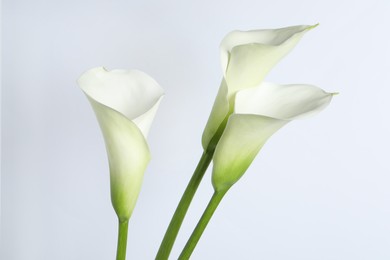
[128, 156]
[130, 92]
[247, 57]
[145, 120]
[218, 113]
[285, 102]
[242, 139]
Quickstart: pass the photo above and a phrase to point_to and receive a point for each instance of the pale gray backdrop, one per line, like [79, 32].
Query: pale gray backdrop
[320, 188]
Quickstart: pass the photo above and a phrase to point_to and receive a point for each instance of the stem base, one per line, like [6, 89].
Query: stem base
[122, 240]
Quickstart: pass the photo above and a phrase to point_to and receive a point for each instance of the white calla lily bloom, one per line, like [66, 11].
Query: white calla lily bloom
[125, 103]
[259, 113]
[246, 58]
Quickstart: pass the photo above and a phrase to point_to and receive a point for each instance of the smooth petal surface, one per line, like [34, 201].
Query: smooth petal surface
[128, 157]
[259, 113]
[125, 102]
[218, 113]
[242, 139]
[130, 92]
[246, 58]
[285, 102]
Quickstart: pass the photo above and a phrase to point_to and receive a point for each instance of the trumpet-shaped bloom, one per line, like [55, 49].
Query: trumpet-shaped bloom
[125, 103]
[246, 58]
[259, 112]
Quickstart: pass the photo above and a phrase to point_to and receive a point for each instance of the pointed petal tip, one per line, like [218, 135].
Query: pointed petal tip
[310, 27]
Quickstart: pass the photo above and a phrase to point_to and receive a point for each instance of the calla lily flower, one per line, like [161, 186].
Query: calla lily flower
[246, 58]
[258, 113]
[125, 103]
[246, 113]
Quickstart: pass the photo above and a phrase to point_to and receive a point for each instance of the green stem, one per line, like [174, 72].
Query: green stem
[201, 226]
[181, 210]
[122, 240]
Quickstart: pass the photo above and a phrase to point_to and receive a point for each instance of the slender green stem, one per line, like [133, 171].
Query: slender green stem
[122, 240]
[201, 226]
[181, 210]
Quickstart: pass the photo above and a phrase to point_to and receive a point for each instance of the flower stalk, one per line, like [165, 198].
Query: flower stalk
[182, 208]
[122, 240]
[202, 224]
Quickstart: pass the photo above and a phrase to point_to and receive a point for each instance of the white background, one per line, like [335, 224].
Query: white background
[320, 188]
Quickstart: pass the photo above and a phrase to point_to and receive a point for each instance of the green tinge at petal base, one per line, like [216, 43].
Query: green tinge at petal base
[259, 113]
[241, 141]
[125, 103]
[128, 156]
